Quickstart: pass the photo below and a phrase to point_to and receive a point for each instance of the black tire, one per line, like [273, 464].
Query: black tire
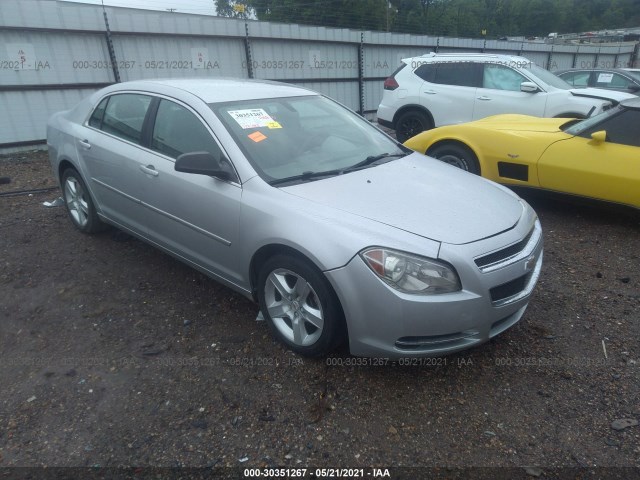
[410, 124]
[457, 155]
[79, 203]
[300, 307]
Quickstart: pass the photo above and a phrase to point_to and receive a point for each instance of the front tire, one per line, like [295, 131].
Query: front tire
[457, 155]
[79, 203]
[410, 124]
[300, 306]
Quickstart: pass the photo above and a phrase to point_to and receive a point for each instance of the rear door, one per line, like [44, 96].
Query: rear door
[500, 93]
[111, 151]
[449, 90]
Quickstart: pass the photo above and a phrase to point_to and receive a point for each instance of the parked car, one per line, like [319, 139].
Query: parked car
[444, 89]
[611, 79]
[334, 228]
[597, 158]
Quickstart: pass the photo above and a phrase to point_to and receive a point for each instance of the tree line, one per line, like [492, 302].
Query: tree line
[460, 18]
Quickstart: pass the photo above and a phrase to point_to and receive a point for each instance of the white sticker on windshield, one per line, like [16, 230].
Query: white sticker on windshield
[253, 118]
[605, 78]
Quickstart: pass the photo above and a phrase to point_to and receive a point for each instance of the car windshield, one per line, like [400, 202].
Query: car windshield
[298, 139]
[581, 126]
[548, 77]
[634, 74]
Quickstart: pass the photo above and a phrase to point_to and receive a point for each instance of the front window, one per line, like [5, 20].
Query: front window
[547, 77]
[611, 80]
[577, 79]
[499, 77]
[620, 123]
[304, 138]
[177, 131]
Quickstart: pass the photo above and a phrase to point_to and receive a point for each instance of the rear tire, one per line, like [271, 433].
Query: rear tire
[410, 124]
[79, 203]
[457, 155]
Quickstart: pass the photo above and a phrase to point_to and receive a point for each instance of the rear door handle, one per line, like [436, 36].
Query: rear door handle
[430, 92]
[149, 170]
[484, 98]
[85, 143]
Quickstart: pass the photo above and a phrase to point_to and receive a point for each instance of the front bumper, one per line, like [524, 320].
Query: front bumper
[384, 322]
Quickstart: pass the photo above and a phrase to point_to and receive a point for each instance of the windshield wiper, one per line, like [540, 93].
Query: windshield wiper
[372, 159]
[331, 173]
[305, 176]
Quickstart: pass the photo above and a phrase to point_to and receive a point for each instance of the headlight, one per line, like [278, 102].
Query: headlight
[411, 273]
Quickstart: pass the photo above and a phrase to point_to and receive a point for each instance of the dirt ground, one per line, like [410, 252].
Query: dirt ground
[114, 354]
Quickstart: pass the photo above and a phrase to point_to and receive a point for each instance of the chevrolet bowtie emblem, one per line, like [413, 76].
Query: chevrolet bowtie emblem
[530, 263]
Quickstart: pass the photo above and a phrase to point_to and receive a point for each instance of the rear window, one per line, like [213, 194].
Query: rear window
[462, 74]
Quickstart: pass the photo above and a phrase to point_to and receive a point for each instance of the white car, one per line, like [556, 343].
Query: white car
[445, 89]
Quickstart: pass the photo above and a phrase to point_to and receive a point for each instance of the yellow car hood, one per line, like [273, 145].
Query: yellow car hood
[521, 123]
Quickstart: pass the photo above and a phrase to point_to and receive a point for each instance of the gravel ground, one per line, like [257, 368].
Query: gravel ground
[114, 355]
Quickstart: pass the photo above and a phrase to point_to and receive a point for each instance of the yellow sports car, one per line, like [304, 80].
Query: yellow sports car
[598, 157]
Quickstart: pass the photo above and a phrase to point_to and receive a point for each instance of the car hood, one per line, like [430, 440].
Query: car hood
[521, 123]
[422, 196]
[613, 95]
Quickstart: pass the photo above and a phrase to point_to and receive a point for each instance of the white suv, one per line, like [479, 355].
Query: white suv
[443, 89]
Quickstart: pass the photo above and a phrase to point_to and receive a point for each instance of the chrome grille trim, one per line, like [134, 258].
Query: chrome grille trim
[534, 237]
[530, 283]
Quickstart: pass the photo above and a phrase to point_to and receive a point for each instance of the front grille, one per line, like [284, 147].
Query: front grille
[509, 289]
[504, 254]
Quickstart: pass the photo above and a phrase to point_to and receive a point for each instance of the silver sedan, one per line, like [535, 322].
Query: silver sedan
[338, 231]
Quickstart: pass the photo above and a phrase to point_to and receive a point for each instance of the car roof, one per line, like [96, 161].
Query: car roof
[594, 69]
[213, 90]
[433, 56]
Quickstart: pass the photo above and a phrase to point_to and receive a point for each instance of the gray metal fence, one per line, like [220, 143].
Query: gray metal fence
[55, 53]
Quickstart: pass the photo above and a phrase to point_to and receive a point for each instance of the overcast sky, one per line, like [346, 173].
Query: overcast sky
[184, 6]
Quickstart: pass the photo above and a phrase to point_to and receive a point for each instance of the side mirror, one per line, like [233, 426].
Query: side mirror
[598, 137]
[633, 87]
[529, 87]
[202, 163]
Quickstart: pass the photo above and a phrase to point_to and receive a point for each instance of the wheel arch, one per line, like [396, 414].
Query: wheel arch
[412, 107]
[63, 166]
[267, 251]
[461, 143]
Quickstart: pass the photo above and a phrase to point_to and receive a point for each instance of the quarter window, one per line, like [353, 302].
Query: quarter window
[177, 131]
[499, 77]
[124, 116]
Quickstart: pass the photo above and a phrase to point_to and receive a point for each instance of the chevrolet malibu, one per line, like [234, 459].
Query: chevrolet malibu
[337, 231]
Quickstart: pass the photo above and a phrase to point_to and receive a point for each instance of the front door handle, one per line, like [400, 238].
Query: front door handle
[85, 143]
[149, 170]
[484, 98]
